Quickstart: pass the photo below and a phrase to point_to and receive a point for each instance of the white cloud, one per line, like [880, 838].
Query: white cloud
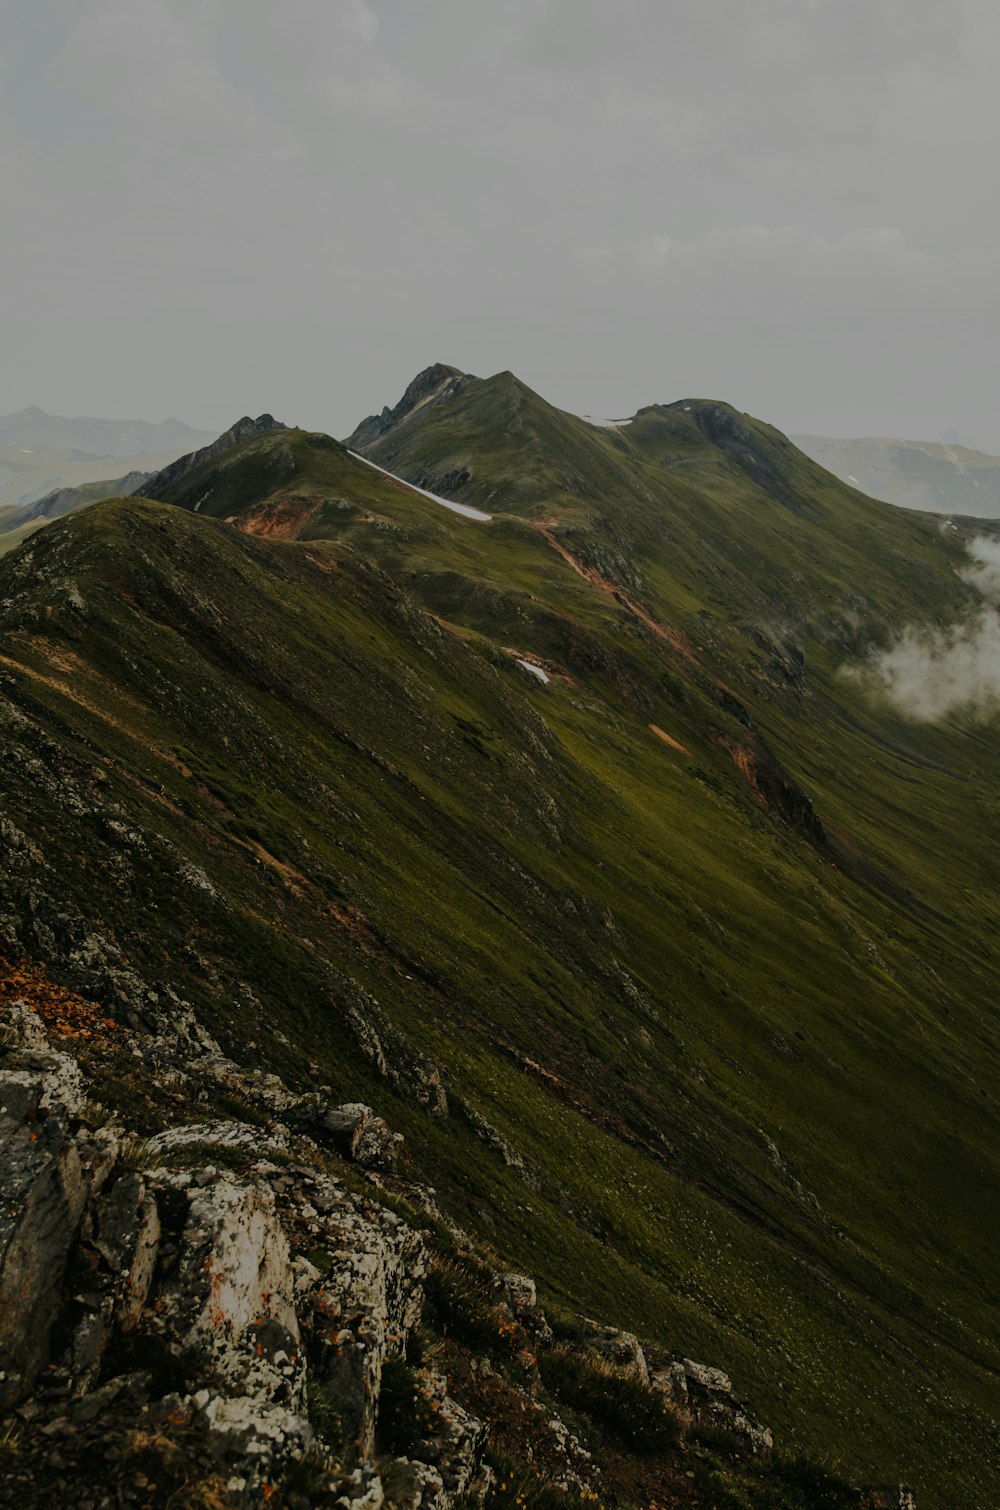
[930, 675]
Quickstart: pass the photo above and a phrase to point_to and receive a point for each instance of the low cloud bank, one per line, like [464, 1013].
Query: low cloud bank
[930, 674]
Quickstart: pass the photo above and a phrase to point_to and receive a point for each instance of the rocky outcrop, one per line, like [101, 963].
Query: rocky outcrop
[359, 1134]
[622, 1349]
[47, 1176]
[236, 1306]
[160, 484]
[228, 1307]
[254, 1291]
[434, 385]
[706, 1394]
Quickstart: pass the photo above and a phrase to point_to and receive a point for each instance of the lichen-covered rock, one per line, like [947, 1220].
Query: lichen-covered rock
[234, 1276]
[360, 1135]
[42, 1194]
[518, 1290]
[455, 1449]
[366, 1302]
[708, 1394]
[126, 1235]
[253, 1440]
[360, 1490]
[222, 1134]
[623, 1349]
[22, 1027]
[415, 1486]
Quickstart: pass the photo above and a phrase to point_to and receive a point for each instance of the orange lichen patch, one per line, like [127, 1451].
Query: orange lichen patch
[56, 655]
[279, 518]
[668, 739]
[746, 763]
[327, 565]
[64, 690]
[457, 630]
[60, 1010]
[676, 638]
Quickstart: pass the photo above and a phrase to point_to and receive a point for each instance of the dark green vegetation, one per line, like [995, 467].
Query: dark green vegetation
[714, 1007]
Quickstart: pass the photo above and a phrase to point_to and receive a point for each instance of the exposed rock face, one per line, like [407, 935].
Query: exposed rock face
[708, 1395]
[230, 1308]
[434, 385]
[363, 1306]
[360, 1135]
[46, 1176]
[623, 1350]
[244, 429]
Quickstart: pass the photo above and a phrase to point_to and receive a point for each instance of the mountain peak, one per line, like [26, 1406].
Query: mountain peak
[434, 384]
[243, 430]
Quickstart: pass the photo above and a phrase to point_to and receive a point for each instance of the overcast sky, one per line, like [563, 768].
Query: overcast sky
[218, 206]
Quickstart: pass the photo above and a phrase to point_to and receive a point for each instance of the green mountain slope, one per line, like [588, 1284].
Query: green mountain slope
[915, 474]
[670, 968]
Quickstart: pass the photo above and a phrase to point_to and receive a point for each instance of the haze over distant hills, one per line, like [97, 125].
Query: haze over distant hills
[32, 429]
[940, 477]
[45, 454]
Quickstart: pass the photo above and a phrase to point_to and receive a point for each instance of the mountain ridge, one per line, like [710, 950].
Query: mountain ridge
[257, 723]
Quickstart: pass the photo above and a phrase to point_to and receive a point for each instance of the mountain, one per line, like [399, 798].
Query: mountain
[947, 479]
[557, 836]
[32, 429]
[179, 474]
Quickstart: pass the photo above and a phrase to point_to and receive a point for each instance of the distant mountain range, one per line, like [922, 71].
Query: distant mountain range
[43, 454]
[915, 474]
[32, 429]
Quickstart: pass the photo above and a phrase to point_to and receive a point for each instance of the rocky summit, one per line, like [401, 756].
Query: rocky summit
[497, 992]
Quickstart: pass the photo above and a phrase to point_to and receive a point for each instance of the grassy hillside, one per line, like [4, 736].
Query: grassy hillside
[684, 933]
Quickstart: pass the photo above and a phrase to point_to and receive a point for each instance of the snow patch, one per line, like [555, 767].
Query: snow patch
[457, 508]
[543, 676]
[605, 424]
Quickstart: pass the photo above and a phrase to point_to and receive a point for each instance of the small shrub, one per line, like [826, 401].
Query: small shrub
[324, 1414]
[10, 1442]
[137, 1153]
[459, 1302]
[634, 1415]
[405, 1416]
[566, 1325]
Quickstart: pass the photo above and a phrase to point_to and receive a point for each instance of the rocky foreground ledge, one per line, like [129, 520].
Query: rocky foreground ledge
[262, 1312]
